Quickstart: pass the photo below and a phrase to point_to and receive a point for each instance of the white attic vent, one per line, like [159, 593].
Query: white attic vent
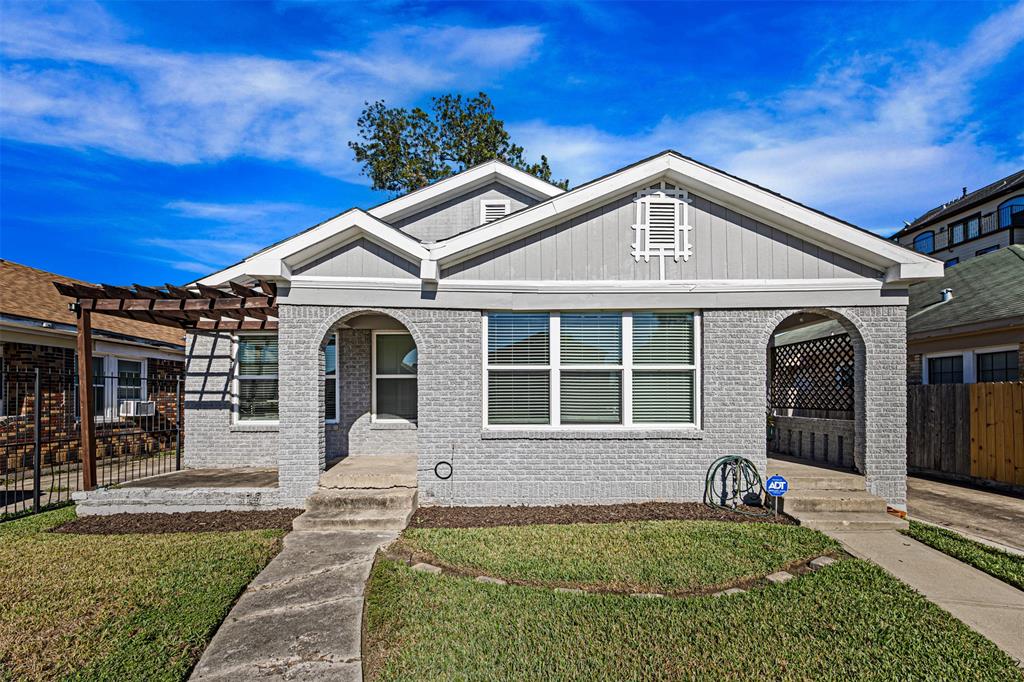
[494, 209]
[662, 224]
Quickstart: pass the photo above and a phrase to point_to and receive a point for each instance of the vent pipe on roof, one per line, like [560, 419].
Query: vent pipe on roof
[947, 294]
[964, 194]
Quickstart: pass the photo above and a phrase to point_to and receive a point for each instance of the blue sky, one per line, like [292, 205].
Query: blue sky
[152, 142]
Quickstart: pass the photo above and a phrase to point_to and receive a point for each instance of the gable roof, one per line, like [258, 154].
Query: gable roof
[29, 293]
[900, 265]
[277, 260]
[460, 183]
[987, 288]
[1007, 185]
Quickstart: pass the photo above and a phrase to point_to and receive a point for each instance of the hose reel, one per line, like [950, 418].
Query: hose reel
[732, 482]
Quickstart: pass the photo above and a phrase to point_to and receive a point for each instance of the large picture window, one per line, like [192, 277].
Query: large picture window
[394, 377]
[592, 369]
[256, 358]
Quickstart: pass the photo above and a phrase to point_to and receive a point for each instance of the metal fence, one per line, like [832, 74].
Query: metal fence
[138, 433]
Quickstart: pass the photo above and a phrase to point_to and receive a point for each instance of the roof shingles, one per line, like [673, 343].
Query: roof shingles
[28, 292]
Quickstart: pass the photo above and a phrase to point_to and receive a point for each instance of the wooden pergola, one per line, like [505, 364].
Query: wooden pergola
[205, 309]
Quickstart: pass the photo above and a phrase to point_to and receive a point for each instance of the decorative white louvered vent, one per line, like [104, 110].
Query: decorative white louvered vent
[662, 224]
[493, 209]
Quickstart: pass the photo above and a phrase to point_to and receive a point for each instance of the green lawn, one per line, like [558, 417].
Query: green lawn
[116, 607]
[648, 556]
[1007, 567]
[849, 620]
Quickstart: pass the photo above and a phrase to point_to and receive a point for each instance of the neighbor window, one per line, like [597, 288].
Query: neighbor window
[1000, 366]
[331, 380]
[925, 242]
[394, 377]
[257, 377]
[987, 249]
[1011, 212]
[591, 369]
[951, 262]
[957, 232]
[946, 370]
[114, 381]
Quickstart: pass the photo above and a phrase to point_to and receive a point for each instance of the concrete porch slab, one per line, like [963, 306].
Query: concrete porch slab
[371, 471]
[209, 478]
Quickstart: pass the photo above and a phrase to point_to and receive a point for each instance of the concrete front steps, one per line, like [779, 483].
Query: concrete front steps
[831, 500]
[357, 509]
[370, 492]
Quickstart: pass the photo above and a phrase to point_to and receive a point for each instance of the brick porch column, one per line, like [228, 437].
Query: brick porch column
[302, 446]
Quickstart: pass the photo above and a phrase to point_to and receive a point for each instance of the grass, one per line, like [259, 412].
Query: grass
[1007, 567]
[647, 556]
[116, 607]
[849, 620]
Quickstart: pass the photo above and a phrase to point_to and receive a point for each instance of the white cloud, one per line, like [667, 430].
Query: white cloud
[71, 78]
[871, 140]
[232, 212]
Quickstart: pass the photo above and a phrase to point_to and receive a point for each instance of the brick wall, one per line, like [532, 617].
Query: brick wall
[59, 417]
[829, 441]
[506, 467]
[213, 439]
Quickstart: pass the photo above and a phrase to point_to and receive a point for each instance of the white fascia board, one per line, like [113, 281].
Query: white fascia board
[754, 201]
[491, 171]
[276, 262]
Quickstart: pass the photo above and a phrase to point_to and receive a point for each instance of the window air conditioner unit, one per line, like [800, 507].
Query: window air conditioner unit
[137, 408]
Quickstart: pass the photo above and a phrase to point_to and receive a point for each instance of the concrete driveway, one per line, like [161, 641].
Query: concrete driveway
[990, 516]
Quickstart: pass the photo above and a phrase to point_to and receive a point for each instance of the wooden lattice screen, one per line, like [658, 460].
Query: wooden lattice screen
[813, 375]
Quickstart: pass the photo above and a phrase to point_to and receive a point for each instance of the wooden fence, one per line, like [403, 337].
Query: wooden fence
[973, 431]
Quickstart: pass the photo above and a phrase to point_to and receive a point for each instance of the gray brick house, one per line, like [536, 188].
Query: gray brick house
[535, 346]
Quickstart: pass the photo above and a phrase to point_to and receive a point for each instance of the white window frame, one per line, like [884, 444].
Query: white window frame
[626, 366]
[970, 360]
[374, 376]
[108, 412]
[235, 416]
[337, 379]
[484, 203]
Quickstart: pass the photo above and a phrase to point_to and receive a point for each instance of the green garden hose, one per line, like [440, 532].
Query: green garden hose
[733, 483]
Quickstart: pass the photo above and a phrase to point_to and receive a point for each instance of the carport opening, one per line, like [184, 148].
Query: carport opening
[811, 391]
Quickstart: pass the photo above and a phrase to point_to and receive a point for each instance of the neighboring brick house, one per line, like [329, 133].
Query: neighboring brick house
[969, 326]
[602, 344]
[133, 361]
[974, 224]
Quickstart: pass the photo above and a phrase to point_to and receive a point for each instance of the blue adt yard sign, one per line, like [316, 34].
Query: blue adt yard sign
[776, 486]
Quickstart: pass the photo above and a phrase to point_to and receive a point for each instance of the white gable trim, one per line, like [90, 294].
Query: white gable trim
[901, 265]
[277, 261]
[477, 176]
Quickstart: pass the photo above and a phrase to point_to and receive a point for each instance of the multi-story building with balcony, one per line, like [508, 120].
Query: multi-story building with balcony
[972, 225]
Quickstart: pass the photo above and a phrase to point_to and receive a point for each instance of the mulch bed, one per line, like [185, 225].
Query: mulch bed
[182, 522]
[481, 517]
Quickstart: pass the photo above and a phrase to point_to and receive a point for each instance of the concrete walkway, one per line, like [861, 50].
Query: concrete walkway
[986, 516]
[986, 604]
[301, 618]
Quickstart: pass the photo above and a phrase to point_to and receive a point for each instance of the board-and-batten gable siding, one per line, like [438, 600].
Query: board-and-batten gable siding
[460, 213]
[597, 245]
[360, 258]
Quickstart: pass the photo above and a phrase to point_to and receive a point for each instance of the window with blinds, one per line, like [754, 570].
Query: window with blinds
[494, 209]
[256, 358]
[592, 369]
[592, 395]
[331, 380]
[518, 357]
